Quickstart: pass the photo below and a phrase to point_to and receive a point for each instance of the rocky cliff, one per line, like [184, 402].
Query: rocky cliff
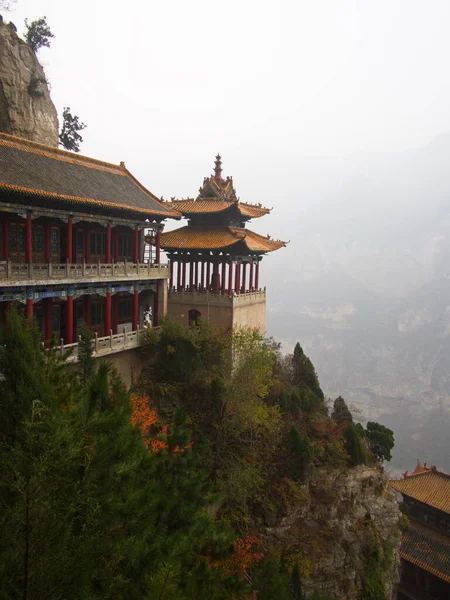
[26, 109]
[344, 533]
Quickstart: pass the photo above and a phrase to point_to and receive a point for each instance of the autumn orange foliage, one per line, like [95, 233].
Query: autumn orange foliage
[144, 417]
[243, 557]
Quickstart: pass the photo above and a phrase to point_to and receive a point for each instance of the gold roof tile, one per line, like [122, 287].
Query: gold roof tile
[430, 487]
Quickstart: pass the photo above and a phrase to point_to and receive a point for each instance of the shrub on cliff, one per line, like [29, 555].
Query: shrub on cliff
[38, 34]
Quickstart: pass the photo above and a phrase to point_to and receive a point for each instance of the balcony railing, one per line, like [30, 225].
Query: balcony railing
[108, 344]
[10, 271]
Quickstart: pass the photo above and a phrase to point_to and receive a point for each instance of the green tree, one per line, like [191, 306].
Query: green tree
[38, 34]
[304, 374]
[296, 584]
[380, 440]
[353, 445]
[69, 138]
[302, 451]
[341, 412]
[272, 580]
[85, 354]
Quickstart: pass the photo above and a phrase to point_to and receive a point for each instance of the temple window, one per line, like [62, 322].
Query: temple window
[17, 238]
[54, 240]
[98, 312]
[80, 242]
[125, 249]
[37, 240]
[98, 244]
[125, 309]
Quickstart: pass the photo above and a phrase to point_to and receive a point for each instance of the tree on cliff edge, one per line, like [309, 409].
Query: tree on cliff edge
[38, 34]
[69, 138]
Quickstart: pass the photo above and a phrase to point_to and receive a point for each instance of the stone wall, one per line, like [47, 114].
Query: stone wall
[26, 109]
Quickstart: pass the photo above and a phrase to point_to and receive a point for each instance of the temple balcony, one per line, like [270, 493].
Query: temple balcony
[13, 274]
[205, 298]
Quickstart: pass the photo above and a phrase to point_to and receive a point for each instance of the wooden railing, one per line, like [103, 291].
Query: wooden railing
[19, 271]
[108, 344]
[207, 297]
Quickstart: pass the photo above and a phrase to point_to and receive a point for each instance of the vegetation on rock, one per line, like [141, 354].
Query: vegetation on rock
[38, 34]
[69, 137]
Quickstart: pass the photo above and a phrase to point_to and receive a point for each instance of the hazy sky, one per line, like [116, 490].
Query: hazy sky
[165, 85]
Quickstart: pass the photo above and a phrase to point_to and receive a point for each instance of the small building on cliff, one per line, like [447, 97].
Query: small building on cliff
[215, 259]
[425, 548]
[72, 245]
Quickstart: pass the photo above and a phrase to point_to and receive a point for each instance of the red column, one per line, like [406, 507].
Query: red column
[28, 248]
[5, 237]
[156, 305]
[230, 278]
[237, 274]
[224, 276]
[171, 274]
[69, 240]
[179, 267]
[108, 313]
[191, 276]
[250, 284]
[196, 275]
[135, 318]
[244, 277]
[257, 276]
[87, 311]
[108, 242]
[202, 277]
[208, 275]
[47, 242]
[216, 278]
[87, 244]
[69, 317]
[115, 313]
[183, 279]
[158, 247]
[29, 305]
[48, 305]
[136, 245]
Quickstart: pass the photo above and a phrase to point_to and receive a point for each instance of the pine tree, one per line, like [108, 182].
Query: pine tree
[353, 445]
[341, 412]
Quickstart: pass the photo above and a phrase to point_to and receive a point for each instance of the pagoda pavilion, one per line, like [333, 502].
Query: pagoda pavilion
[215, 259]
[72, 245]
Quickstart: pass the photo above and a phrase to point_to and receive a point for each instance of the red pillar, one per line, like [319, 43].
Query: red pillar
[69, 240]
[48, 305]
[135, 318]
[237, 274]
[196, 275]
[69, 317]
[87, 311]
[115, 313]
[257, 276]
[28, 248]
[158, 247]
[191, 276]
[29, 305]
[171, 274]
[179, 267]
[202, 277]
[156, 305]
[230, 278]
[108, 313]
[183, 279]
[216, 278]
[108, 242]
[250, 283]
[208, 275]
[136, 245]
[244, 278]
[224, 276]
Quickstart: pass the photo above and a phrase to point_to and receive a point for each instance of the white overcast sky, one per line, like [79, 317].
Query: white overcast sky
[164, 85]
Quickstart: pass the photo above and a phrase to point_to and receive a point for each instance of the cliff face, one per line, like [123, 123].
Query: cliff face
[344, 533]
[26, 109]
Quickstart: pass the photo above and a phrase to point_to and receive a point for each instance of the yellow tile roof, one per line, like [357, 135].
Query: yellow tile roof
[431, 487]
[38, 172]
[216, 238]
[215, 205]
[427, 548]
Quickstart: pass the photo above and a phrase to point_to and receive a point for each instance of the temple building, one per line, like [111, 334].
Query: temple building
[425, 547]
[72, 245]
[215, 260]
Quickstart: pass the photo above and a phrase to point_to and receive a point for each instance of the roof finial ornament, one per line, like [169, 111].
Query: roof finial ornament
[218, 167]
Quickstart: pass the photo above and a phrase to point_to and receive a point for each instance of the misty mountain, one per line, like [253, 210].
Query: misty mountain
[364, 285]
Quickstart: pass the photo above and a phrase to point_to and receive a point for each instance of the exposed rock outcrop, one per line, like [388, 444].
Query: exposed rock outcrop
[343, 531]
[26, 109]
